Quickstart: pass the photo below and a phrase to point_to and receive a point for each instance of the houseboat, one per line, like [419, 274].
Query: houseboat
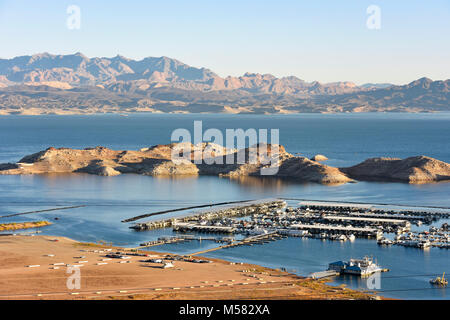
[360, 267]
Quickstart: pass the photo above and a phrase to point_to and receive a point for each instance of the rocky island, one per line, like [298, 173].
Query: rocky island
[419, 169]
[156, 161]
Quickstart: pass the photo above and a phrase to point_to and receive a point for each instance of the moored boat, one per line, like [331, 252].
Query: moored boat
[439, 281]
[361, 267]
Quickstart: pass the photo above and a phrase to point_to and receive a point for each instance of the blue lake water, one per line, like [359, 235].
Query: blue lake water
[345, 139]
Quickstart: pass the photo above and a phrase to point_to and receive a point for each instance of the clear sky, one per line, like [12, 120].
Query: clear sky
[323, 40]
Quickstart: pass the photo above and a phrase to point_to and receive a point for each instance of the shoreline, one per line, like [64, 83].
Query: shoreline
[34, 259]
[125, 113]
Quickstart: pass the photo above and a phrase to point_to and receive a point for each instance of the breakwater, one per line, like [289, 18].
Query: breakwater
[142, 216]
[40, 211]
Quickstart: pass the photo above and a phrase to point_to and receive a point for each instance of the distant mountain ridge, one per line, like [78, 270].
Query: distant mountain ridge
[67, 84]
[120, 72]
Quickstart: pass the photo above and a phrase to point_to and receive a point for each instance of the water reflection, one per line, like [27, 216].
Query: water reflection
[263, 183]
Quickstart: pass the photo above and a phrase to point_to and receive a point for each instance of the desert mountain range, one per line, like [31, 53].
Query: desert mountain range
[75, 84]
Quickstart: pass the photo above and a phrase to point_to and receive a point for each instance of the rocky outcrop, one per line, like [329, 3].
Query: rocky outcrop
[305, 169]
[319, 157]
[169, 168]
[420, 169]
[296, 168]
[100, 168]
[213, 159]
[155, 160]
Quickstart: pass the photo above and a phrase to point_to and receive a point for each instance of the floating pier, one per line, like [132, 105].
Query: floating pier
[426, 219]
[323, 274]
[372, 221]
[246, 241]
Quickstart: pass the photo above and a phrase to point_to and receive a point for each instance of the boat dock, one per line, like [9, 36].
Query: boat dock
[373, 221]
[258, 239]
[180, 239]
[361, 232]
[394, 216]
[182, 226]
[369, 209]
[163, 241]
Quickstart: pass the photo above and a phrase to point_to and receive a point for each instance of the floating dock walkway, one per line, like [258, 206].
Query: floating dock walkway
[253, 239]
[323, 274]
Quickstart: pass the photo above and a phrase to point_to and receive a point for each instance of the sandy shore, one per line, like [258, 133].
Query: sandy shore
[27, 265]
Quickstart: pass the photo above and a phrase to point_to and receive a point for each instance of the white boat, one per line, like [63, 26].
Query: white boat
[257, 231]
[384, 241]
[351, 237]
[424, 244]
[168, 265]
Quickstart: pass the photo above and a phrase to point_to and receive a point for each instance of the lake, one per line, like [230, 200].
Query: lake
[346, 139]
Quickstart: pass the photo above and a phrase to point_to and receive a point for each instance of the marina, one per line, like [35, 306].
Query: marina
[320, 222]
[246, 208]
[278, 220]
